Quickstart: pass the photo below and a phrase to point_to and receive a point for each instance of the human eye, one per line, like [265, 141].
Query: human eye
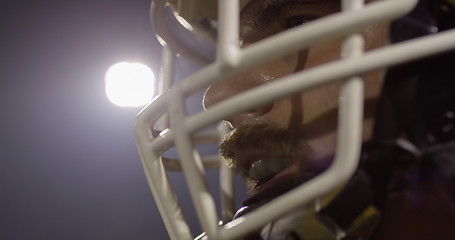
[295, 21]
[261, 20]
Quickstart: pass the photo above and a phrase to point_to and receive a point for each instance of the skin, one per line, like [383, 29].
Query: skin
[307, 122]
[312, 114]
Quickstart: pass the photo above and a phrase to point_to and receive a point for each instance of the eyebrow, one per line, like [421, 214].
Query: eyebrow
[271, 7]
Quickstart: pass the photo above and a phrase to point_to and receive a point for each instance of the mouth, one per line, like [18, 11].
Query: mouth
[263, 169]
[267, 172]
[291, 175]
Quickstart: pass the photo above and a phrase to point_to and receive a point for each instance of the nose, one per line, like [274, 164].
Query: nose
[263, 74]
[220, 91]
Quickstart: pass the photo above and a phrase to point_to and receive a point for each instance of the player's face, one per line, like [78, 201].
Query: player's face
[293, 137]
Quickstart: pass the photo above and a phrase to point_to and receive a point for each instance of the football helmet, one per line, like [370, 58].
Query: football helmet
[207, 32]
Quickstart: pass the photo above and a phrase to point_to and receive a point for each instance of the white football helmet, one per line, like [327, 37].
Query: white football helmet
[208, 32]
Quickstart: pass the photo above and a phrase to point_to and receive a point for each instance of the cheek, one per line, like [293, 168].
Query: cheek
[376, 35]
[282, 67]
[323, 53]
[321, 103]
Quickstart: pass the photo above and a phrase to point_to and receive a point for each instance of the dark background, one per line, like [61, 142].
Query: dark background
[69, 168]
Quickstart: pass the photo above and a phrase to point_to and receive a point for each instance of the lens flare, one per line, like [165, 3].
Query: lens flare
[129, 84]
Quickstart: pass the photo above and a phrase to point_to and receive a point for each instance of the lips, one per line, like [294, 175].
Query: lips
[268, 171]
[263, 169]
[282, 182]
[279, 177]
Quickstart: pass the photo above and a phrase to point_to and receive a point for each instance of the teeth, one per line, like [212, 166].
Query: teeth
[263, 169]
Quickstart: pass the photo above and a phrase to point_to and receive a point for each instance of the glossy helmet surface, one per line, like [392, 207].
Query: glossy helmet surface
[165, 122]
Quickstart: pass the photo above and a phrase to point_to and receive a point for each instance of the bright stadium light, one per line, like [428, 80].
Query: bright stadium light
[129, 84]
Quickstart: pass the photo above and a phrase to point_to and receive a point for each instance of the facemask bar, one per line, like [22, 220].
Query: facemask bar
[166, 37]
[230, 61]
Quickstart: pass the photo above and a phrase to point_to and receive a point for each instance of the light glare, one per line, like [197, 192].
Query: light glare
[129, 84]
[183, 22]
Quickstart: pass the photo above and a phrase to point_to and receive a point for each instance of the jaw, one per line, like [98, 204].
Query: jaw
[290, 176]
[287, 179]
[275, 169]
[282, 176]
[281, 183]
